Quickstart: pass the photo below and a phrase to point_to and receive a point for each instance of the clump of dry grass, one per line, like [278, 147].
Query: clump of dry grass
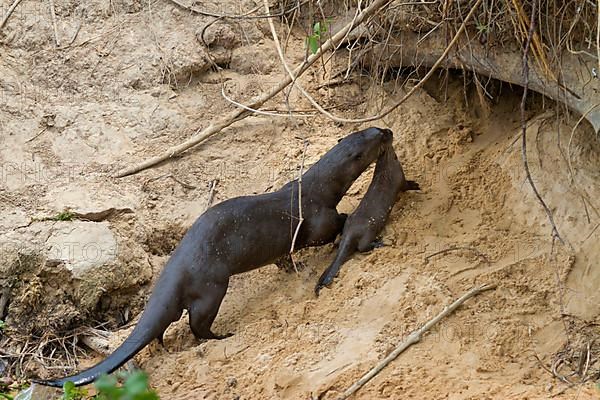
[560, 25]
[24, 355]
[578, 361]
[561, 29]
[37, 335]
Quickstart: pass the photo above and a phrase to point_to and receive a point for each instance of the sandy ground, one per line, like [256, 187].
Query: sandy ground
[138, 80]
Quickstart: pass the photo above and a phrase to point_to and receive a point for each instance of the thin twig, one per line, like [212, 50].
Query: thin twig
[259, 112]
[74, 37]
[9, 12]
[211, 194]
[168, 175]
[524, 124]
[155, 178]
[300, 217]
[54, 25]
[44, 129]
[591, 233]
[587, 213]
[310, 111]
[236, 115]
[413, 338]
[86, 41]
[456, 248]
[182, 183]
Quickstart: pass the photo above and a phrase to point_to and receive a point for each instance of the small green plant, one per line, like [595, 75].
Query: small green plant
[314, 41]
[108, 388]
[482, 28]
[4, 392]
[73, 393]
[134, 388]
[2, 325]
[64, 216]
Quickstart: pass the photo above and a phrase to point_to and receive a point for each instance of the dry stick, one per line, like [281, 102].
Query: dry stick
[591, 233]
[260, 112]
[413, 338]
[74, 37]
[524, 124]
[44, 129]
[54, 26]
[429, 74]
[9, 12]
[587, 213]
[236, 115]
[98, 344]
[457, 248]
[300, 218]
[211, 194]
[182, 183]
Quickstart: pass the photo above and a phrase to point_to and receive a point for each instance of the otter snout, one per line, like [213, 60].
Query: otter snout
[388, 135]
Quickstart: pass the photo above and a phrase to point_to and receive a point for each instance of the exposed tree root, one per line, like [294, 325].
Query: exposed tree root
[577, 88]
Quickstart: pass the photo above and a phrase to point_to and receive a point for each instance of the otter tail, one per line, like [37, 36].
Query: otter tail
[347, 248]
[160, 312]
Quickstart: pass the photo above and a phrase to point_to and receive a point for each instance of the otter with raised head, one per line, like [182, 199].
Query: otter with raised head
[362, 226]
[239, 235]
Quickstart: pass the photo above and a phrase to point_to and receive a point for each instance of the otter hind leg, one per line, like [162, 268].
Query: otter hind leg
[203, 311]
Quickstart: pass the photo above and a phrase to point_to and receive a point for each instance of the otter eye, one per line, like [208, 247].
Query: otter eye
[340, 139]
[358, 156]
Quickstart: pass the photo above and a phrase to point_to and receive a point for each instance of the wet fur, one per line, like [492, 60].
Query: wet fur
[369, 218]
[239, 235]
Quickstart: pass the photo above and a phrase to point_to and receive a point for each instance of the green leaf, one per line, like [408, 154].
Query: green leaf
[317, 28]
[2, 326]
[107, 388]
[136, 384]
[68, 388]
[320, 28]
[135, 387]
[64, 216]
[313, 44]
[73, 393]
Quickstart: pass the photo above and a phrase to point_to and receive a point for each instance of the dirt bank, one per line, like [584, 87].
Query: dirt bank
[137, 80]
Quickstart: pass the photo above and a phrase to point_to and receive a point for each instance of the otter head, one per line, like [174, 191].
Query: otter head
[335, 172]
[359, 149]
